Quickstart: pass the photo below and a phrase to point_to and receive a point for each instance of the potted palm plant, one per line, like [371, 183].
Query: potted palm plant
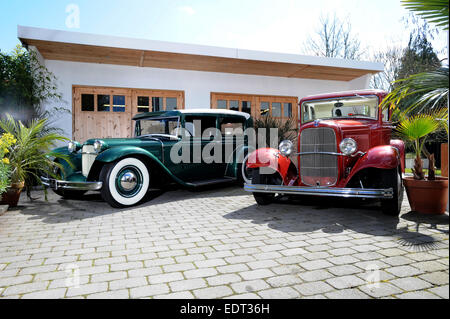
[426, 195]
[28, 156]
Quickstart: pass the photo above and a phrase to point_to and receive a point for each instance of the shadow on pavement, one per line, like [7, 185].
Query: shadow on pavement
[337, 215]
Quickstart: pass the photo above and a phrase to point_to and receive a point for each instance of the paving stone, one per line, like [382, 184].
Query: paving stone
[149, 291]
[436, 278]
[285, 280]
[223, 279]
[200, 273]
[411, 283]
[382, 289]
[404, 271]
[344, 270]
[417, 295]
[189, 284]
[398, 261]
[279, 293]
[345, 282]
[313, 288]
[316, 264]
[213, 292]
[250, 286]
[176, 295]
[441, 291]
[115, 294]
[315, 275]
[109, 276]
[347, 294]
[256, 274]
[244, 296]
[232, 268]
[46, 294]
[127, 283]
[87, 289]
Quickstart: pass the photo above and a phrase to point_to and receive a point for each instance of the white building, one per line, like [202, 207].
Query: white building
[135, 75]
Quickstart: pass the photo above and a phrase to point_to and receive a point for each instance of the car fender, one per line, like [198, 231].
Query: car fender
[382, 157]
[113, 154]
[272, 158]
[400, 145]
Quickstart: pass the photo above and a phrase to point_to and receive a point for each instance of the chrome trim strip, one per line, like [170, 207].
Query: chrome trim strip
[82, 186]
[321, 191]
[326, 153]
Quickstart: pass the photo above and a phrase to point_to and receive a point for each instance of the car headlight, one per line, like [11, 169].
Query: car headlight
[348, 146]
[98, 145]
[286, 147]
[73, 146]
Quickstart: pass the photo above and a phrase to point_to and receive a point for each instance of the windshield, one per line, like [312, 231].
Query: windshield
[166, 126]
[337, 108]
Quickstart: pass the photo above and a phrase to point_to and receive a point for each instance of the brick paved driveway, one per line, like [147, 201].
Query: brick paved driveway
[219, 244]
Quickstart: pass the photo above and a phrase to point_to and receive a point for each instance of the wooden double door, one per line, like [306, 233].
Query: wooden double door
[106, 112]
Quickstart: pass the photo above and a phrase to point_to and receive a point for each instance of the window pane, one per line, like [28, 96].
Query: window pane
[287, 109]
[87, 102]
[246, 107]
[264, 108]
[171, 103]
[234, 105]
[143, 101]
[118, 103]
[222, 104]
[276, 109]
[157, 103]
[103, 103]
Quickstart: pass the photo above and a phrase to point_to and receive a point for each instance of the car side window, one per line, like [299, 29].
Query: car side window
[200, 126]
[231, 126]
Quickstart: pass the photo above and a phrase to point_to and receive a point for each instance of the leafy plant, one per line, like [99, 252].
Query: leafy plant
[435, 11]
[287, 130]
[25, 86]
[31, 154]
[428, 89]
[416, 128]
[6, 141]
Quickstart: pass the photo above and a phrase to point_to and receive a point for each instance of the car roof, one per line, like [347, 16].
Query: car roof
[190, 111]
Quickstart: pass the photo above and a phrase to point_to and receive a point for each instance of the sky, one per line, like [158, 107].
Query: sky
[266, 25]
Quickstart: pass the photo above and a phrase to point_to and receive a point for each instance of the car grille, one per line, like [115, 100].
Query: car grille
[87, 158]
[318, 169]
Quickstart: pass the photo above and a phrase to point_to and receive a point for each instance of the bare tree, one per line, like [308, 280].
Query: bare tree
[391, 57]
[333, 38]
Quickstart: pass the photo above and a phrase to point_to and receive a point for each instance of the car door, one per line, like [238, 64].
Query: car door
[203, 162]
[232, 132]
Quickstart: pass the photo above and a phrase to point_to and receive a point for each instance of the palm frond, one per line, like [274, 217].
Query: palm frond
[434, 11]
[428, 90]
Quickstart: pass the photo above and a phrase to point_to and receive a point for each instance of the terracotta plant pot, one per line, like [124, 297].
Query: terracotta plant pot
[428, 197]
[12, 194]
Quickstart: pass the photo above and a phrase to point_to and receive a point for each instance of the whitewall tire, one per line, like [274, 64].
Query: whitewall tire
[125, 182]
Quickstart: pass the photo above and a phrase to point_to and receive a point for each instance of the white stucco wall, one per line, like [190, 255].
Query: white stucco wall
[196, 85]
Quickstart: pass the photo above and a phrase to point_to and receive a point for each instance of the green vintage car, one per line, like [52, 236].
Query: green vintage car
[190, 147]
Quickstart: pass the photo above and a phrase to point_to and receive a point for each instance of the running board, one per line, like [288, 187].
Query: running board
[211, 182]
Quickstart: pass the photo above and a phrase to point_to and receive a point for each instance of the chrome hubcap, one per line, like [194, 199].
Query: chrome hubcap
[128, 181]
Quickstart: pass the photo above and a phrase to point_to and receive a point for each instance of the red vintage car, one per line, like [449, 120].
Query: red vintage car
[345, 149]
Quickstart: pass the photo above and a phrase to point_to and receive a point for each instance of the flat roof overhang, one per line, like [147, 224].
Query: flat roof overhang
[90, 48]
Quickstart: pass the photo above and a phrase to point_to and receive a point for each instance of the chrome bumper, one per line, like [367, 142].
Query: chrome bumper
[81, 186]
[321, 191]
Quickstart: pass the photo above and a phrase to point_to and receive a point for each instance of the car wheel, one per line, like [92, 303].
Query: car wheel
[264, 179]
[392, 179]
[125, 182]
[69, 194]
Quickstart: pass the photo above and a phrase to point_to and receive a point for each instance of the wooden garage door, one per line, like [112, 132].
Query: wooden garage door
[104, 112]
[282, 107]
